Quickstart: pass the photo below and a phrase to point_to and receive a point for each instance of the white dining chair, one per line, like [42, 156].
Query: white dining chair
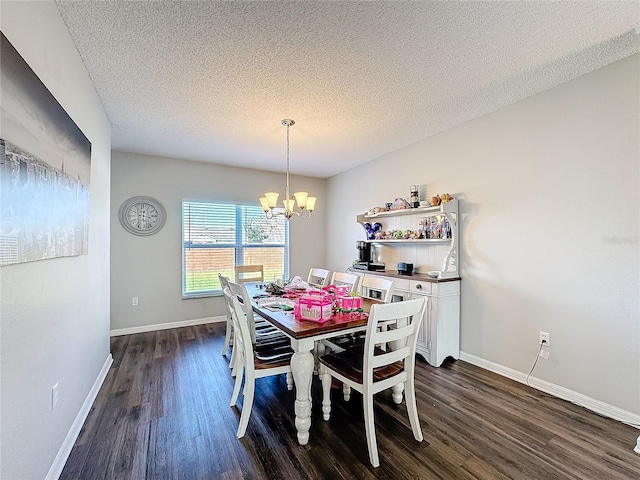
[380, 289]
[373, 287]
[377, 288]
[370, 370]
[231, 333]
[251, 365]
[259, 328]
[240, 290]
[350, 279]
[228, 334]
[249, 273]
[264, 336]
[338, 278]
[318, 277]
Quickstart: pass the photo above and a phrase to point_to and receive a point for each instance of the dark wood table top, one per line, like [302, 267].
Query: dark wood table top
[298, 329]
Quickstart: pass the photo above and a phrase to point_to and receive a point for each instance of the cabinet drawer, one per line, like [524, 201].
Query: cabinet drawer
[420, 288]
[400, 284]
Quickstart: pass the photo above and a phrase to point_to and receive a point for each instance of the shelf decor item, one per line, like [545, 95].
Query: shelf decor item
[436, 227]
[302, 199]
[415, 202]
[400, 204]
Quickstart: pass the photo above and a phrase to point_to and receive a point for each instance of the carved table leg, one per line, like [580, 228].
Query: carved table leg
[302, 363]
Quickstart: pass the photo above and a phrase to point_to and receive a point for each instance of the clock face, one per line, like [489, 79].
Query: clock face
[142, 215]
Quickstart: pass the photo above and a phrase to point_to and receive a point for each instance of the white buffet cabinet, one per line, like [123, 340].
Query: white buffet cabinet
[439, 336]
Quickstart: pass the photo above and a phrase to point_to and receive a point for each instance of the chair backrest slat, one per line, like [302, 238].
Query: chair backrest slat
[377, 284]
[249, 273]
[350, 279]
[408, 313]
[394, 333]
[318, 277]
[390, 357]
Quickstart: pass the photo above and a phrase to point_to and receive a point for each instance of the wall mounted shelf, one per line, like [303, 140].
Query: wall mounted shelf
[413, 240]
[448, 209]
[447, 206]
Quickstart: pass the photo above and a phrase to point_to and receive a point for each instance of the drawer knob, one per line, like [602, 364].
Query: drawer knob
[419, 287]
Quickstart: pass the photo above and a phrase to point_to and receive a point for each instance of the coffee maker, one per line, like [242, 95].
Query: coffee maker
[364, 261]
[364, 251]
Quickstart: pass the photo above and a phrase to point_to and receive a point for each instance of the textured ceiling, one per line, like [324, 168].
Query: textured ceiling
[210, 81]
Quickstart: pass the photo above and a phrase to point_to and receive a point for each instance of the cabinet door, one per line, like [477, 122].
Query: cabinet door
[423, 345]
[439, 336]
[445, 331]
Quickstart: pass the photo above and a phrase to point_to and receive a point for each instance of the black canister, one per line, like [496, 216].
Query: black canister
[405, 268]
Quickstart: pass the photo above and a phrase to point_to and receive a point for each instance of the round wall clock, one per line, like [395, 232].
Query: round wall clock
[142, 215]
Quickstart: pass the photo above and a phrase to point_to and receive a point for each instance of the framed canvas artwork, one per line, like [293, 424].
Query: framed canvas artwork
[45, 166]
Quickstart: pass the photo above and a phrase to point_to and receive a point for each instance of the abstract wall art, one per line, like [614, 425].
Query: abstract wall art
[45, 166]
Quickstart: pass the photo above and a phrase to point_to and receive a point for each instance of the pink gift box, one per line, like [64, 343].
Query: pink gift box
[316, 306]
[337, 290]
[347, 302]
[342, 290]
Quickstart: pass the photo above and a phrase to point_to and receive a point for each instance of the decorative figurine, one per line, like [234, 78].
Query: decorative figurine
[415, 202]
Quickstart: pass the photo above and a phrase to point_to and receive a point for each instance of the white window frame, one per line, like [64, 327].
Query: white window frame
[238, 245]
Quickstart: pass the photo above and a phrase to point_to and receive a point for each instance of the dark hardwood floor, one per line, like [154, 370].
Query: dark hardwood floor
[163, 413]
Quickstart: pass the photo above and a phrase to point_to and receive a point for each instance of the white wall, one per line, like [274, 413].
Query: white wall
[550, 226]
[54, 314]
[150, 267]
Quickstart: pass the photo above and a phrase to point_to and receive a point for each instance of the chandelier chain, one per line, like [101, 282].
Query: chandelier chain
[288, 124]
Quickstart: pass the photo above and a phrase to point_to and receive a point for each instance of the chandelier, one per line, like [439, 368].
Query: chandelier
[302, 199]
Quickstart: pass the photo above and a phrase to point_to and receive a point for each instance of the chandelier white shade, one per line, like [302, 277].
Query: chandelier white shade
[302, 200]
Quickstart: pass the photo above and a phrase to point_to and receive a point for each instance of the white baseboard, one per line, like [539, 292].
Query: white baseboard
[589, 403]
[74, 431]
[166, 326]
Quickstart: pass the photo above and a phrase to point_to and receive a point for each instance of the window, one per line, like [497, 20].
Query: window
[218, 236]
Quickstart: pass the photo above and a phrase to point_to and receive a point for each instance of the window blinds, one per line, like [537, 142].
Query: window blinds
[218, 236]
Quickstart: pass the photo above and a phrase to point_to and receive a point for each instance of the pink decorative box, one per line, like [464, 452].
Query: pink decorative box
[337, 290]
[315, 306]
[347, 302]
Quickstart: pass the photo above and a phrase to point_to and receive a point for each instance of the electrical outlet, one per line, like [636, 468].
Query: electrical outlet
[546, 338]
[55, 390]
[134, 301]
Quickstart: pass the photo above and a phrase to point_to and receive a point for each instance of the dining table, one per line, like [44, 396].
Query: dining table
[304, 334]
